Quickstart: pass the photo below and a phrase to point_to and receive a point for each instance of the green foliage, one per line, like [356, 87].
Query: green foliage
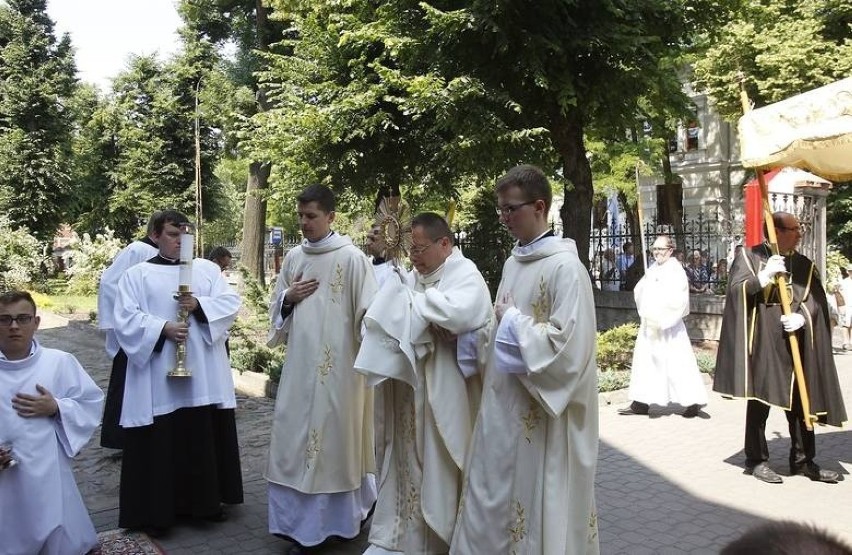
[706, 362]
[782, 47]
[615, 347]
[249, 352]
[21, 256]
[613, 380]
[835, 261]
[89, 258]
[37, 80]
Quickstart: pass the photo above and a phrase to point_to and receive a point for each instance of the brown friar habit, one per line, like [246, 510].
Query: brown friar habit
[754, 360]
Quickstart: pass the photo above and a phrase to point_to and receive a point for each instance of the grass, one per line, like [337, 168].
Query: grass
[62, 303]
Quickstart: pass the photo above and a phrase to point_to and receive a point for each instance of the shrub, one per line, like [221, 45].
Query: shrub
[89, 259]
[706, 362]
[613, 380]
[22, 257]
[615, 347]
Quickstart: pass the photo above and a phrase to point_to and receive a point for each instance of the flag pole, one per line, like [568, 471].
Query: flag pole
[781, 281]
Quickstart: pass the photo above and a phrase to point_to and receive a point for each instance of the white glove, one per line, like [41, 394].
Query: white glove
[774, 266]
[792, 322]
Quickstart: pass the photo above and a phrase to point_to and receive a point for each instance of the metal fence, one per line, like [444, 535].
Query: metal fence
[706, 231]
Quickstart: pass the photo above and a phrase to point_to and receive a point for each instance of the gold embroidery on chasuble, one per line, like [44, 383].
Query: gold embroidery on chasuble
[541, 305]
[518, 527]
[593, 527]
[337, 285]
[313, 448]
[325, 368]
[530, 420]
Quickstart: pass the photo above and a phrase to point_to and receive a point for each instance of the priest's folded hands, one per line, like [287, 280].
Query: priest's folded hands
[32, 406]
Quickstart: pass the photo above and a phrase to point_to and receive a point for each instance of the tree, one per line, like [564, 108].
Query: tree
[430, 94]
[783, 48]
[780, 47]
[246, 25]
[37, 81]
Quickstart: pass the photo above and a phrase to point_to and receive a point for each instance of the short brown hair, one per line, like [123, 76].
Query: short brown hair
[14, 296]
[531, 181]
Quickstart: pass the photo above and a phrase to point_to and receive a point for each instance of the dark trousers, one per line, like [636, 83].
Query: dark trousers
[802, 441]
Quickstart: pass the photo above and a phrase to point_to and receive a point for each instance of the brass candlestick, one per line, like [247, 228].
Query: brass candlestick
[181, 371]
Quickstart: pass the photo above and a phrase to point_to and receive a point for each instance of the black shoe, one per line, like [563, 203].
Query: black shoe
[691, 411]
[765, 474]
[635, 407]
[814, 472]
[221, 516]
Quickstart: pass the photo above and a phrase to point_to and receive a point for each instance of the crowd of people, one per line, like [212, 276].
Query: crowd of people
[461, 423]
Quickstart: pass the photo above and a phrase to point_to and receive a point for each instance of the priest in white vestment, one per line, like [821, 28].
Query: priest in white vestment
[49, 408]
[664, 369]
[181, 457]
[112, 435]
[430, 395]
[529, 481]
[321, 453]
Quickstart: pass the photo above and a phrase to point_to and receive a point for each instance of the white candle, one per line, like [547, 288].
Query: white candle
[187, 249]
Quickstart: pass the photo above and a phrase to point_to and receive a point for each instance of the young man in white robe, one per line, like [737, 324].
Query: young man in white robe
[529, 481]
[49, 408]
[181, 457]
[664, 369]
[112, 436]
[430, 399]
[321, 453]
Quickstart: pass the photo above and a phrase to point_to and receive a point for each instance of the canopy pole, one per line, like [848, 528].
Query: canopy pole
[781, 281]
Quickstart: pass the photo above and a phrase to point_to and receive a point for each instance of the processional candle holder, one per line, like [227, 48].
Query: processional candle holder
[187, 250]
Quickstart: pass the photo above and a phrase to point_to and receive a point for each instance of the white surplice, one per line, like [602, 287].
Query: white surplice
[664, 369]
[429, 405]
[145, 302]
[41, 510]
[321, 453]
[131, 255]
[529, 482]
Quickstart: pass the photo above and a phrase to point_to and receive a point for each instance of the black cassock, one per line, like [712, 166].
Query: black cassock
[754, 359]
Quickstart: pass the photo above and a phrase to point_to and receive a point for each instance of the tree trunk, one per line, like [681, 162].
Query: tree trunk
[254, 224]
[576, 211]
[672, 192]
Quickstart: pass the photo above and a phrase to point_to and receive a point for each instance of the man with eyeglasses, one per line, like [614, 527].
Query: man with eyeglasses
[425, 339]
[754, 360]
[49, 409]
[664, 369]
[529, 481]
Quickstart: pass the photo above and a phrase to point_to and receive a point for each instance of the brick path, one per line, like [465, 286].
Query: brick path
[665, 484]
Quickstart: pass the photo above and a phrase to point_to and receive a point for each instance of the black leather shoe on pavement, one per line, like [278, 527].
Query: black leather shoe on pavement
[691, 411]
[765, 474]
[814, 472]
[635, 407]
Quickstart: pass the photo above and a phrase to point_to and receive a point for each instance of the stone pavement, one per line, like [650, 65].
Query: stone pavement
[665, 484]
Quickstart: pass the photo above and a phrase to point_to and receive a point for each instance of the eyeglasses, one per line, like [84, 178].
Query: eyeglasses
[21, 319]
[661, 249]
[417, 250]
[510, 209]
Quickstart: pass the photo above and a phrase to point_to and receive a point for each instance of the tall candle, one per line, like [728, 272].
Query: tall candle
[187, 250]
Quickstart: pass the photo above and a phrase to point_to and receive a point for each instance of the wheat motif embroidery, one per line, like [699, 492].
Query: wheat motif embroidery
[518, 529]
[313, 448]
[325, 368]
[337, 285]
[541, 306]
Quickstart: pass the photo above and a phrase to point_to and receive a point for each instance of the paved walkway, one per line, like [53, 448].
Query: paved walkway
[665, 484]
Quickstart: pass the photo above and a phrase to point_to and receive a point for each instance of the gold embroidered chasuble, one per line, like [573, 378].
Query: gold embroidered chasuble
[429, 412]
[529, 481]
[322, 432]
